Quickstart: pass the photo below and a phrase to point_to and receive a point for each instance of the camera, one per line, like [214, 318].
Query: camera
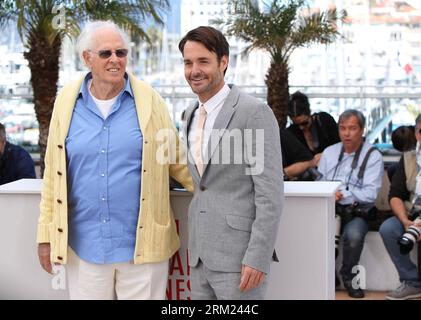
[314, 174]
[412, 234]
[345, 213]
[310, 174]
[366, 211]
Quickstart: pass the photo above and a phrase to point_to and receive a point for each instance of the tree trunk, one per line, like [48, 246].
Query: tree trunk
[278, 91]
[43, 57]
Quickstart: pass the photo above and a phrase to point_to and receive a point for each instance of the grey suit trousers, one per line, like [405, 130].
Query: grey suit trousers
[215, 285]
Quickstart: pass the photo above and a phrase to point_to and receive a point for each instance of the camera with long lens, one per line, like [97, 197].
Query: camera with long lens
[412, 234]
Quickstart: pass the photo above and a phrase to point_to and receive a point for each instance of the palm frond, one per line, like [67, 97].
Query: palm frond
[280, 28]
[317, 27]
[266, 29]
[129, 14]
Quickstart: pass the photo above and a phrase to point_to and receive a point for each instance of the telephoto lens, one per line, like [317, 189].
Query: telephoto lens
[409, 238]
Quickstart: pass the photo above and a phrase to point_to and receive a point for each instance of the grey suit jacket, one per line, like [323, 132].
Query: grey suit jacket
[236, 208]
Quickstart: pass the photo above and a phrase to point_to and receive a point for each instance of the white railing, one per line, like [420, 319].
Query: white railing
[376, 102]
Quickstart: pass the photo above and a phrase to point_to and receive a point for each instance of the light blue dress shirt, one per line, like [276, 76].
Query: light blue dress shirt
[363, 190]
[104, 158]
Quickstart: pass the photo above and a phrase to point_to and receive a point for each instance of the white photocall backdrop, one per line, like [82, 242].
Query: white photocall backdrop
[301, 258]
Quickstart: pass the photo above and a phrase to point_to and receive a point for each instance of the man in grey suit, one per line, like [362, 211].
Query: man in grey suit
[236, 164]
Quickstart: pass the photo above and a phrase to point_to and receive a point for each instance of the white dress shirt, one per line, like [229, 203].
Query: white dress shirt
[212, 107]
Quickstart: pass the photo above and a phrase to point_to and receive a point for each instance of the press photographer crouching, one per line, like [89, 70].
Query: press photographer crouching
[359, 168]
[404, 198]
[413, 234]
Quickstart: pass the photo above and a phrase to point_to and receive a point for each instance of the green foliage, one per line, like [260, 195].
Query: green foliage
[35, 16]
[281, 26]
[42, 24]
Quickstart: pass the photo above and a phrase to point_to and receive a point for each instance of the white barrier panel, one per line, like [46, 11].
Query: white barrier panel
[305, 245]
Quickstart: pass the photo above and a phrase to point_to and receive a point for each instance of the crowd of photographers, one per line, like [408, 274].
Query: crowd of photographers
[330, 151]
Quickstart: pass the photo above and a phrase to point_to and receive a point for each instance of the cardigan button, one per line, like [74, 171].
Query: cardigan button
[60, 230]
[60, 258]
[59, 173]
[60, 146]
[59, 201]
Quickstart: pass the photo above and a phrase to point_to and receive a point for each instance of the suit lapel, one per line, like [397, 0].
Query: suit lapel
[189, 118]
[190, 161]
[221, 123]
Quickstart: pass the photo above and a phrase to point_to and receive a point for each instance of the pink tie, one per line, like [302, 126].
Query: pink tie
[198, 143]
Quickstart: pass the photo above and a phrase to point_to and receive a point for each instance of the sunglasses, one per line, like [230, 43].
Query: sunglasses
[105, 54]
[303, 124]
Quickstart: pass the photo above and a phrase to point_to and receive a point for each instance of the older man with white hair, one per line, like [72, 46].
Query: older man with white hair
[105, 202]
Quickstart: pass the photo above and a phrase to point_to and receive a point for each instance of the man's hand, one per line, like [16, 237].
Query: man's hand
[407, 223]
[338, 196]
[44, 250]
[250, 278]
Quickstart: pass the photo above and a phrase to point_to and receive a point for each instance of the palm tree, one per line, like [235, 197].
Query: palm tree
[42, 24]
[279, 29]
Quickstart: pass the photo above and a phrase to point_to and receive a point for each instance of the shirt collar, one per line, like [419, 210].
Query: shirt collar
[216, 100]
[84, 88]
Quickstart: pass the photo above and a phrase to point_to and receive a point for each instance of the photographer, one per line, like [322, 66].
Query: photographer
[315, 131]
[297, 160]
[15, 162]
[403, 193]
[359, 168]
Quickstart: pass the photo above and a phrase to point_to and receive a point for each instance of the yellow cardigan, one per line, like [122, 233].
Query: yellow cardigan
[156, 238]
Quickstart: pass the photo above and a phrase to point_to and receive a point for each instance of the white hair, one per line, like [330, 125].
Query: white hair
[86, 37]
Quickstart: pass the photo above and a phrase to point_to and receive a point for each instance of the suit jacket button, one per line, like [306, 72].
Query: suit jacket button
[202, 188]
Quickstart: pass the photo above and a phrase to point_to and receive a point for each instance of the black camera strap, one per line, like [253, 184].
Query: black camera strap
[364, 164]
[354, 161]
